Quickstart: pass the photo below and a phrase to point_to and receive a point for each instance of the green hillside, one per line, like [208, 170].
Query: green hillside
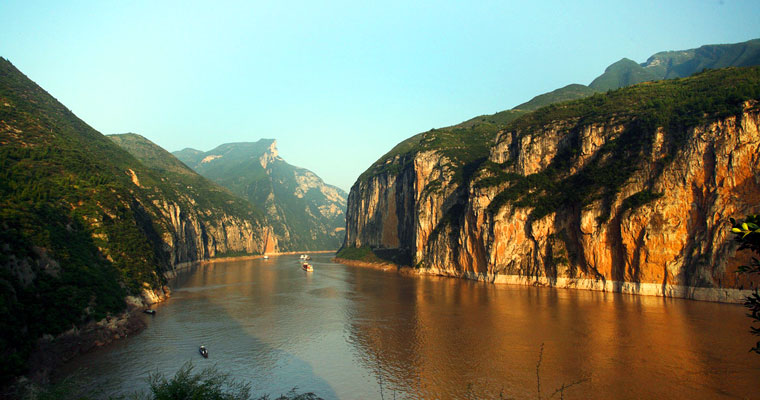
[206, 194]
[622, 73]
[678, 64]
[570, 92]
[304, 212]
[80, 221]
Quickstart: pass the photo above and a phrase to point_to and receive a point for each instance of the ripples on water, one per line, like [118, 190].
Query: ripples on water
[346, 332]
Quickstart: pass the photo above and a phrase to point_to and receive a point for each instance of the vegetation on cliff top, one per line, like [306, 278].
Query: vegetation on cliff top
[468, 142]
[676, 106]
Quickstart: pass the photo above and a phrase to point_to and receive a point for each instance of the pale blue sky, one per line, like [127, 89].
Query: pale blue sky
[337, 83]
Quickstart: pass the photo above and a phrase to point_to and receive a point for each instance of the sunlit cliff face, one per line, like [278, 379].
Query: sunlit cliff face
[662, 247]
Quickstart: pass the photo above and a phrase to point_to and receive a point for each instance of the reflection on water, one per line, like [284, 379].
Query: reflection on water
[346, 332]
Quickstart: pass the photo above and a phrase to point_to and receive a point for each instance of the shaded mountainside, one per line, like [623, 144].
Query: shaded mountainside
[84, 223]
[304, 212]
[629, 190]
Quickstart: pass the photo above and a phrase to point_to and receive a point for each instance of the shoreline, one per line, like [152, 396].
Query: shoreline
[188, 264]
[54, 351]
[716, 295]
[256, 256]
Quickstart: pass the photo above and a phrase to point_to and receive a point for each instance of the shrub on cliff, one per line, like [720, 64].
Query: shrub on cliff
[748, 235]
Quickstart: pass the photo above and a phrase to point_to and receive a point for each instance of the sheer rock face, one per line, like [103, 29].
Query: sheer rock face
[676, 245]
[188, 236]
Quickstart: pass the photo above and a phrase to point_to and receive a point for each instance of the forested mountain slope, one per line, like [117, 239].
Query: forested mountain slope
[83, 223]
[304, 212]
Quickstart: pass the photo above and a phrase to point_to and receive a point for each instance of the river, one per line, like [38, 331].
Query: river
[360, 333]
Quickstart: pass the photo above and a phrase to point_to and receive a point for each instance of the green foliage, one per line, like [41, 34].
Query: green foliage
[678, 64]
[179, 181]
[639, 199]
[747, 233]
[465, 145]
[208, 384]
[363, 254]
[622, 73]
[76, 234]
[185, 384]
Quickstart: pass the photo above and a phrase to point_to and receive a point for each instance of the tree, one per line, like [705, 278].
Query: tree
[747, 233]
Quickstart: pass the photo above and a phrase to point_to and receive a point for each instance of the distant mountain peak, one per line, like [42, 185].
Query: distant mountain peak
[306, 213]
[270, 155]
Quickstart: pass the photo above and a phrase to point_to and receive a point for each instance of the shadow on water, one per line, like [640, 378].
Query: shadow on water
[212, 306]
[359, 333]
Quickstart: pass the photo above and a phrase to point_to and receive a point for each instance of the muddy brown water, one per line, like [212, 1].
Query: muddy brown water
[360, 333]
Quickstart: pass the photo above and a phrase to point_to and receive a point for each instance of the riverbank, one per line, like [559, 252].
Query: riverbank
[185, 265]
[52, 352]
[331, 330]
[254, 257]
[718, 295]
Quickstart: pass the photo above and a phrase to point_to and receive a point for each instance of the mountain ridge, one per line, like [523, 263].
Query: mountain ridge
[305, 212]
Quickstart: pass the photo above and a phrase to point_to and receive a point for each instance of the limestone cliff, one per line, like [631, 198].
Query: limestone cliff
[202, 220]
[304, 212]
[629, 191]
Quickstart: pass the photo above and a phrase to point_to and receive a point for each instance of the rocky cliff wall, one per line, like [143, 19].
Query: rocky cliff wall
[189, 235]
[664, 231]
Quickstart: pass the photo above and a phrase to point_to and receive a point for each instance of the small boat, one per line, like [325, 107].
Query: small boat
[266, 257]
[307, 267]
[151, 312]
[203, 351]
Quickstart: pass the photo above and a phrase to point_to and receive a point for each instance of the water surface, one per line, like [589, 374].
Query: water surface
[357, 333]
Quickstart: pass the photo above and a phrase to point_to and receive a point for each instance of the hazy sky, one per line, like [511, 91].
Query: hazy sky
[338, 84]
